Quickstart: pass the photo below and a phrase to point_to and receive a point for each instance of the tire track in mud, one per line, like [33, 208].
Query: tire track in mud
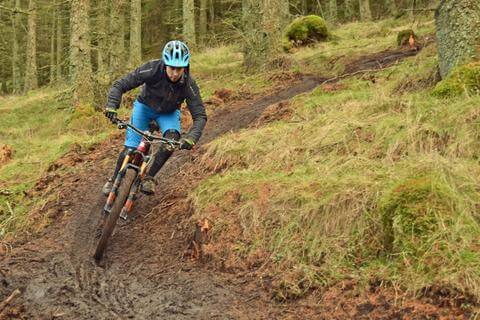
[145, 276]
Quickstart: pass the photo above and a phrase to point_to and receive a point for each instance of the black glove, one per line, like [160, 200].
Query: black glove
[186, 143]
[111, 114]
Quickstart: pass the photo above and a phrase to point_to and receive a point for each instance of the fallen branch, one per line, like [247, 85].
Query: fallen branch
[5, 303]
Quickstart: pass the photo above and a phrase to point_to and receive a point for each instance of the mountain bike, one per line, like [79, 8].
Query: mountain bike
[127, 183]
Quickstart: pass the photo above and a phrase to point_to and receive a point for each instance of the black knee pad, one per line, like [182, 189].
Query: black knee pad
[172, 134]
[161, 157]
[163, 153]
[125, 151]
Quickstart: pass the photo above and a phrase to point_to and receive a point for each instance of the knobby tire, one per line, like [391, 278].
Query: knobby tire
[111, 219]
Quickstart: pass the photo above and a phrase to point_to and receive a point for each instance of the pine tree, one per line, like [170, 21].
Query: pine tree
[263, 22]
[304, 7]
[391, 7]
[333, 14]
[59, 56]
[253, 47]
[203, 21]
[16, 23]
[349, 10]
[189, 23]
[102, 38]
[457, 23]
[80, 63]
[211, 13]
[31, 75]
[52, 46]
[117, 38]
[275, 17]
[365, 12]
[135, 33]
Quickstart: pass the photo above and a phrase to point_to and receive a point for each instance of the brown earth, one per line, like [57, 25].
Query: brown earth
[6, 153]
[149, 272]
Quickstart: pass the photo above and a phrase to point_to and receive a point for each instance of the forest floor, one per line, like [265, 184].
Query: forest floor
[149, 272]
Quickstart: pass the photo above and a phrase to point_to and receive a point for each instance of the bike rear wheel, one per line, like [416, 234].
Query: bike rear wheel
[111, 219]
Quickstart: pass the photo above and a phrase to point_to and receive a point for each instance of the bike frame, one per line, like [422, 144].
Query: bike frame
[137, 159]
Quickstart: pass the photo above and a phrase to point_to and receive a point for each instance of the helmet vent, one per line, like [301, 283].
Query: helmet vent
[176, 54]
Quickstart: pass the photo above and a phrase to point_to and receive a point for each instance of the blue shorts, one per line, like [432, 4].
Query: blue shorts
[141, 117]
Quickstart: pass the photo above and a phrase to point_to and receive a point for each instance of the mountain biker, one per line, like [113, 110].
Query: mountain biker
[166, 84]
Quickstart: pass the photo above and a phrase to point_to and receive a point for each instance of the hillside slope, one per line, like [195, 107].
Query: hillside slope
[368, 179]
[330, 166]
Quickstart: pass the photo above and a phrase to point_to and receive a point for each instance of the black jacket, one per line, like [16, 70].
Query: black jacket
[162, 95]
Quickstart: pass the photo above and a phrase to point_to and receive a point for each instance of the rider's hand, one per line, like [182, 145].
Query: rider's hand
[186, 143]
[111, 114]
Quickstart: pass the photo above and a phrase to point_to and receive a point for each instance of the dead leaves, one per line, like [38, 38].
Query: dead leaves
[201, 236]
[6, 154]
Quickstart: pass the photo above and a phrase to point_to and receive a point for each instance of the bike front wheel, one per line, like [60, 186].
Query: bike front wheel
[111, 219]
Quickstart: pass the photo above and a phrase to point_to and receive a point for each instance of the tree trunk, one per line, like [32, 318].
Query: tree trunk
[275, 18]
[365, 12]
[333, 15]
[3, 84]
[117, 38]
[189, 22]
[349, 10]
[253, 46]
[31, 80]
[103, 46]
[264, 21]
[59, 62]
[52, 47]
[211, 12]
[135, 33]
[413, 6]
[391, 7]
[174, 18]
[80, 63]
[203, 21]
[304, 7]
[458, 36]
[16, 23]
[320, 9]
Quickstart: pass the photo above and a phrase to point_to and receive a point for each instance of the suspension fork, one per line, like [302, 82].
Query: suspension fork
[118, 179]
[127, 208]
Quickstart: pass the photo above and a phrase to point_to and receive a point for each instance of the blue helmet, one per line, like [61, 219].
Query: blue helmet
[176, 54]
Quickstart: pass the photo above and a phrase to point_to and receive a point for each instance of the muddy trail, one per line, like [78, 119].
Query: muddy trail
[148, 271]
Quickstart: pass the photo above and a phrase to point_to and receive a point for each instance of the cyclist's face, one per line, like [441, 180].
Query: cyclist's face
[175, 73]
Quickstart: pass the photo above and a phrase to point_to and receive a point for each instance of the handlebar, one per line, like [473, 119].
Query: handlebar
[121, 124]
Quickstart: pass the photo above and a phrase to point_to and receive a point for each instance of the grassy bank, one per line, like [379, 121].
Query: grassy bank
[39, 127]
[377, 179]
